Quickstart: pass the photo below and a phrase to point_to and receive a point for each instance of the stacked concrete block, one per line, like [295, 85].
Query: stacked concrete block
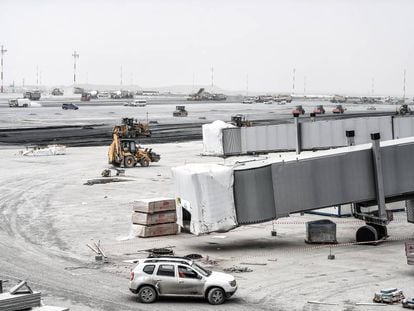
[154, 217]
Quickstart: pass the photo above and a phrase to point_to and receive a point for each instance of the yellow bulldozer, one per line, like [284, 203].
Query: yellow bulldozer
[130, 128]
[124, 152]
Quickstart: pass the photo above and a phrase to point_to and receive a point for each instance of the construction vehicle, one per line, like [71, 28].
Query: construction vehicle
[404, 109]
[57, 92]
[283, 97]
[240, 120]
[126, 153]
[319, 110]
[85, 97]
[298, 110]
[32, 95]
[338, 109]
[338, 99]
[180, 111]
[203, 95]
[130, 128]
[19, 102]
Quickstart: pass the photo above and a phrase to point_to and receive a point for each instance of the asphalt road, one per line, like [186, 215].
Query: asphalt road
[100, 134]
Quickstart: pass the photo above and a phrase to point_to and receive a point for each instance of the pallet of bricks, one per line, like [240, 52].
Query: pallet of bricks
[154, 217]
[409, 251]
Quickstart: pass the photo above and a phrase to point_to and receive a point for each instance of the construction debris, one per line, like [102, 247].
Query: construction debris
[95, 181]
[322, 303]
[19, 297]
[98, 250]
[108, 172]
[44, 151]
[193, 256]
[254, 263]
[236, 269]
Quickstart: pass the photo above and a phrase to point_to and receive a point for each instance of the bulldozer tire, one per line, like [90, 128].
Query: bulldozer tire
[144, 162]
[129, 161]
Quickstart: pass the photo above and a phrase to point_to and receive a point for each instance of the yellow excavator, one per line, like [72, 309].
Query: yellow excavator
[124, 152]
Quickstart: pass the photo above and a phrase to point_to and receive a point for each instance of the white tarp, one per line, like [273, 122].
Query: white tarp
[206, 192]
[213, 137]
[50, 150]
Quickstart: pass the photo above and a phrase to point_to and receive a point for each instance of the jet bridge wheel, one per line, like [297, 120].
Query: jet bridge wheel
[371, 233]
[366, 233]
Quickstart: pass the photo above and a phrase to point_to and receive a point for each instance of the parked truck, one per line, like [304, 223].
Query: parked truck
[19, 103]
[32, 95]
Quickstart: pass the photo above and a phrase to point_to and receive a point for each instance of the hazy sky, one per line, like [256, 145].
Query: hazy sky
[340, 46]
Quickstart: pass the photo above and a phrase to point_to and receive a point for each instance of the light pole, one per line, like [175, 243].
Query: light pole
[2, 51]
[75, 56]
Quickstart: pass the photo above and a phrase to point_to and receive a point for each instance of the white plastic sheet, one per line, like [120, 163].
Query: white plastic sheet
[206, 192]
[213, 137]
[50, 150]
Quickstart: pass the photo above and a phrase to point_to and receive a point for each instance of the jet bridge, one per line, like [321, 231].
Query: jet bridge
[220, 198]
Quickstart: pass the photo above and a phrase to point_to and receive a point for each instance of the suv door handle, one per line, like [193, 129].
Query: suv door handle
[157, 280]
[180, 281]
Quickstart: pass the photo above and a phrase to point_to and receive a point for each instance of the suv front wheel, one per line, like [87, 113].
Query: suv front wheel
[147, 294]
[216, 296]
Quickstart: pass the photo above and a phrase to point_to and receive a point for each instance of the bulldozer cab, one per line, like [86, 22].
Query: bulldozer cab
[128, 145]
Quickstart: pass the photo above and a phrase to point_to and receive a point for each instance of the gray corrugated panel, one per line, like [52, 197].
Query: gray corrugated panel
[397, 169]
[231, 141]
[331, 133]
[366, 126]
[403, 127]
[410, 210]
[268, 138]
[253, 195]
[324, 181]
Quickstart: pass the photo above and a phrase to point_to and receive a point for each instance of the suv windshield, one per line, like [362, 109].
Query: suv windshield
[200, 269]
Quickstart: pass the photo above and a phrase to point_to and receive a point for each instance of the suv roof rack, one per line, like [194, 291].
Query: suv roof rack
[168, 258]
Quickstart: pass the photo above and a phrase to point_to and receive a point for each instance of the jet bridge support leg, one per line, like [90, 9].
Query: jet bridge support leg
[375, 228]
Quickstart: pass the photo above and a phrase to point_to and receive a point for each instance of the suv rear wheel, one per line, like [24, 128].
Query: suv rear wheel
[147, 294]
[216, 296]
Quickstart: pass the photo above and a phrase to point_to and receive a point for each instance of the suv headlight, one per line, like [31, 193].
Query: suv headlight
[232, 283]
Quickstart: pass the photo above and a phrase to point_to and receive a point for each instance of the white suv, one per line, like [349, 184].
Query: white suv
[177, 276]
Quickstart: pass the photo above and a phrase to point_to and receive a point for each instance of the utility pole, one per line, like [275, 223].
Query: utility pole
[212, 78]
[293, 80]
[2, 51]
[405, 71]
[75, 56]
[121, 75]
[37, 75]
[304, 85]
